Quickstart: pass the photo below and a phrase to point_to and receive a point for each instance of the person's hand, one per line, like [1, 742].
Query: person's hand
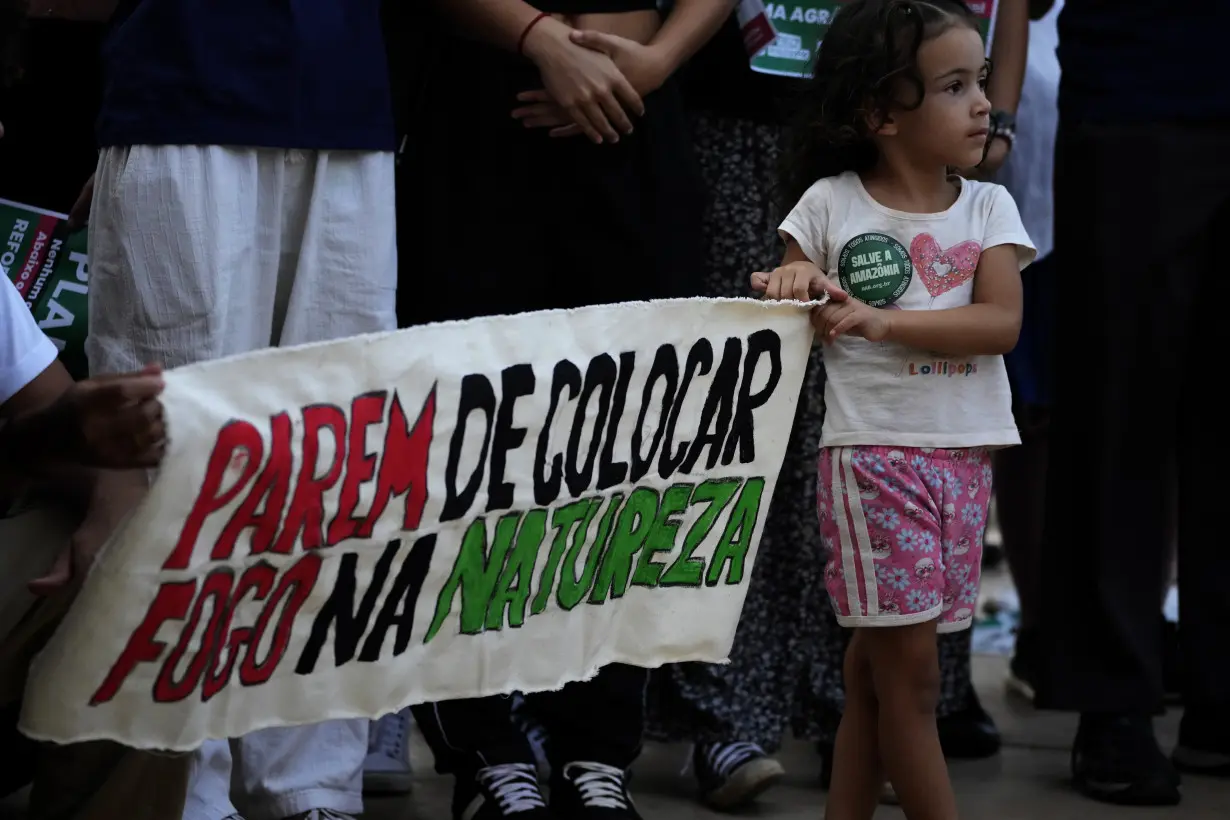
[801, 281]
[643, 66]
[79, 216]
[120, 419]
[113, 497]
[113, 422]
[586, 88]
[851, 317]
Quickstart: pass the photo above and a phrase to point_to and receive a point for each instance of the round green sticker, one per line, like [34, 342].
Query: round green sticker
[875, 269]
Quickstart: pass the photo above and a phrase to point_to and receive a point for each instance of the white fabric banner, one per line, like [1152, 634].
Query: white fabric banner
[449, 511]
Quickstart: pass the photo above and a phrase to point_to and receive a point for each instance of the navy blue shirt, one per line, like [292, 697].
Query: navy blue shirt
[1144, 60]
[308, 74]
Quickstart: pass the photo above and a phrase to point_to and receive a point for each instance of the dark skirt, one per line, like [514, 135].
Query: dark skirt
[496, 218]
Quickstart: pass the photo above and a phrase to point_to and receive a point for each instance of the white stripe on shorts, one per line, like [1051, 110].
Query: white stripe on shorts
[855, 537]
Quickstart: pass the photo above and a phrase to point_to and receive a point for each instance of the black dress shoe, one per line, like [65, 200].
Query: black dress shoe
[1116, 759]
[969, 734]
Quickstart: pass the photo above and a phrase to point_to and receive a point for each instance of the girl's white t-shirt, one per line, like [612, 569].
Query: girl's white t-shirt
[882, 393]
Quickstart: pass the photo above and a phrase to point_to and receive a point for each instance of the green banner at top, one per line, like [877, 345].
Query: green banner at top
[801, 24]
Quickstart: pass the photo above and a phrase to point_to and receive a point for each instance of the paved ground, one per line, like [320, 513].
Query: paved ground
[1026, 782]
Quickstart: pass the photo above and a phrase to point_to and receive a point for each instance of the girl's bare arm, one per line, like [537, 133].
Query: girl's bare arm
[989, 326]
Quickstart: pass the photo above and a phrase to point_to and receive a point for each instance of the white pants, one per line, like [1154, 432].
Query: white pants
[278, 773]
[198, 252]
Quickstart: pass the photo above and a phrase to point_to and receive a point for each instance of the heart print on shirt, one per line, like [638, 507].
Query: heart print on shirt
[942, 270]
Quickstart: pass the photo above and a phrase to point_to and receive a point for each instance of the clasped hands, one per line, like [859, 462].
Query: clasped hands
[593, 83]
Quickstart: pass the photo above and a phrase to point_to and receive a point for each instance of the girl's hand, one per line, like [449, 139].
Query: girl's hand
[642, 67]
[801, 281]
[586, 87]
[852, 317]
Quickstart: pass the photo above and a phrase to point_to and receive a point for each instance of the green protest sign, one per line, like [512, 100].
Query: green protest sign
[49, 266]
[801, 25]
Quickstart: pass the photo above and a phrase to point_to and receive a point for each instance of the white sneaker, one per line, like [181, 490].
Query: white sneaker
[387, 767]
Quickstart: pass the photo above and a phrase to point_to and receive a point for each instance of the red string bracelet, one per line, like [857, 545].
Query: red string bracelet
[542, 15]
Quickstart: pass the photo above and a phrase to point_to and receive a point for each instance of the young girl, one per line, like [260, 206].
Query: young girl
[922, 270]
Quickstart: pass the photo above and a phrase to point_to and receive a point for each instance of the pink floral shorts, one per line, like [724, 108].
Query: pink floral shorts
[903, 528]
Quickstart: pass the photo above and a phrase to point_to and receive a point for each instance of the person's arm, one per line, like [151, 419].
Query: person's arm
[89, 441]
[688, 27]
[22, 460]
[1009, 53]
[691, 24]
[111, 422]
[74, 437]
[990, 326]
[496, 22]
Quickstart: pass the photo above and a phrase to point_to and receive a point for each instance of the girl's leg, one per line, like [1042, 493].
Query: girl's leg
[857, 775]
[906, 679]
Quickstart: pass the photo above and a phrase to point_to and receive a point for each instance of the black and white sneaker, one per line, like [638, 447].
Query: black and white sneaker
[508, 790]
[731, 775]
[587, 790]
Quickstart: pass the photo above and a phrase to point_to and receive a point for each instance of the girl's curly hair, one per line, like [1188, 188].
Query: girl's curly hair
[867, 66]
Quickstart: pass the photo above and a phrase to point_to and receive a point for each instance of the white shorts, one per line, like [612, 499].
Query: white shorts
[199, 252]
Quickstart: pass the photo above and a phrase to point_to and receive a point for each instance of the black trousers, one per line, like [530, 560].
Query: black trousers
[1143, 226]
[598, 720]
[497, 219]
